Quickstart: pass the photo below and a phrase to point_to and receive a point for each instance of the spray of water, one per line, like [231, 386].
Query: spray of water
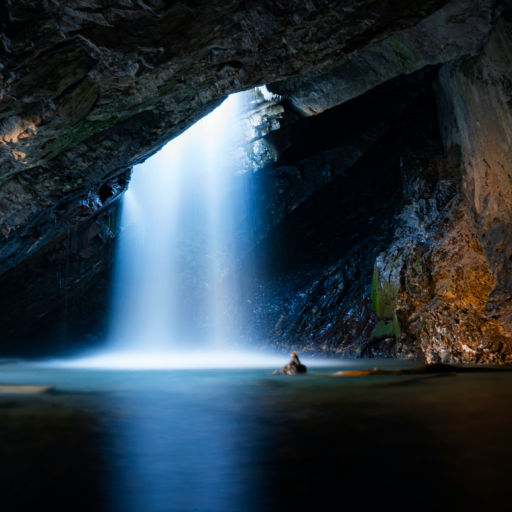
[172, 280]
[170, 286]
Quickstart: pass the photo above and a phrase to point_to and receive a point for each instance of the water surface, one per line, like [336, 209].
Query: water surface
[244, 440]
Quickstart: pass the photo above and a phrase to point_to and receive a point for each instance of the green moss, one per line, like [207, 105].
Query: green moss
[403, 49]
[373, 292]
[383, 297]
[383, 300]
[383, 329]
[386, 329]
[112, 220]
[396, 326]
[75, 135]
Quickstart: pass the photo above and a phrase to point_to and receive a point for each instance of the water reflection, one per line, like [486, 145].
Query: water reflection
[222, 441]
[181, 451]
[50, 456]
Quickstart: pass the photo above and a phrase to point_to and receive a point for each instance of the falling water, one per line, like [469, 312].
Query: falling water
[180, 236]
[171, 286]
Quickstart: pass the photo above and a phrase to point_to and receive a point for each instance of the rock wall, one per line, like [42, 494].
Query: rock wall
[316, 292]
[441, 288]
[59, 298]
[452, 280]
[446, 276]
[476, 115]
[479, 120]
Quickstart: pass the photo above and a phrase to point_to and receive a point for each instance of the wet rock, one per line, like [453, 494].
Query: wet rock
[477, 118]
[294, 367]
[319, 296]
[61, 296]
[449, 264]
[433, 368]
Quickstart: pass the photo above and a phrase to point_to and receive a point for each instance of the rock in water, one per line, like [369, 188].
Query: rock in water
[294, 367]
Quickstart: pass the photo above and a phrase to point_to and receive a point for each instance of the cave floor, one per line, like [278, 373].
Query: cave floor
[243, 440]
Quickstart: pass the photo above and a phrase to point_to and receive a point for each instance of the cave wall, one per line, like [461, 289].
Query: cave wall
[90, 88]
[446, 274]
[479, 120]
[453, 301]
[315, 291]
[59, 299]
[441, 287]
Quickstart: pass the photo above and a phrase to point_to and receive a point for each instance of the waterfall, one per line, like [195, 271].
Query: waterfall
[186, 220]
[171, 284]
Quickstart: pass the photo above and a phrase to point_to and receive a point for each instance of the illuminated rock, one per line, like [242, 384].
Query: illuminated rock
[294, 367]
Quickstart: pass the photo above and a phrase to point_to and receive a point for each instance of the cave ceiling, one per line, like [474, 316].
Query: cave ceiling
[89, 88]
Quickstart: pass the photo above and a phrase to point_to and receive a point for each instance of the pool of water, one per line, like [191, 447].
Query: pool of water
[244, 440]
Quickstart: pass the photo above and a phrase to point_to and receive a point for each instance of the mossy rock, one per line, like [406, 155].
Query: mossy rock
[383, 301]
[383, 297]
[384, 329]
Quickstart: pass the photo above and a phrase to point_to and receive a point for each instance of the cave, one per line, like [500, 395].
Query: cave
[364, 212]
